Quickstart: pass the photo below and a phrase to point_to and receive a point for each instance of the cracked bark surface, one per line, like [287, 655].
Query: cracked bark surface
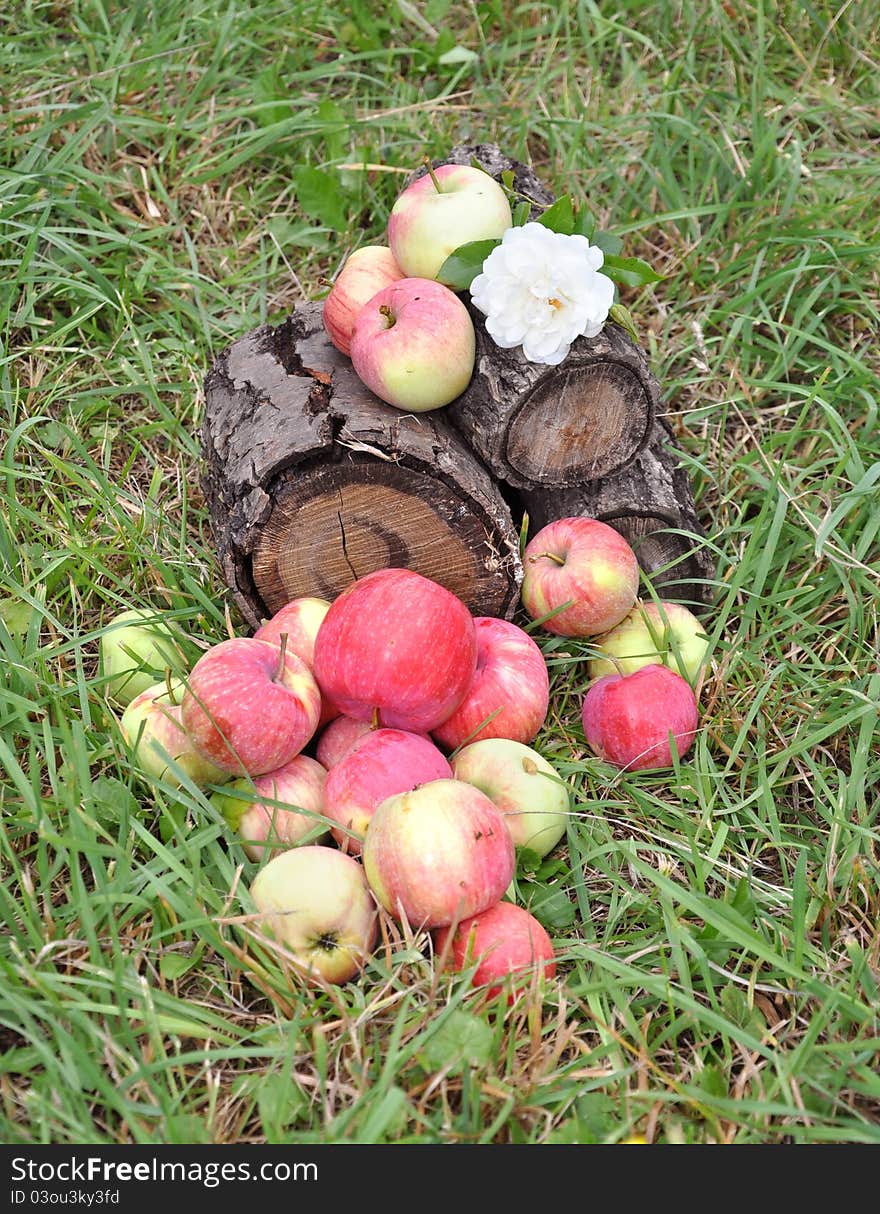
[311, 481]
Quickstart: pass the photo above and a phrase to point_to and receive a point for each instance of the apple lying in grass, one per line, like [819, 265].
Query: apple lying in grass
[584, 572]
[338, 738]
[152, 728]
[450, 206]
[378, 765]
[652, 632]
[413, 345]
[135, 650]
[277, 810]
[629, 719]
[438, 854]
[316, 903]
[250, 706]
[299, 620]
[523, 785]
[398, 650]
[510, 691]
[366, 272]
[508, 944]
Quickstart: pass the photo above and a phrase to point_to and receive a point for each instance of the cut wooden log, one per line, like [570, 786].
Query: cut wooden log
[552, 427]
[311, 481]
[651, 504]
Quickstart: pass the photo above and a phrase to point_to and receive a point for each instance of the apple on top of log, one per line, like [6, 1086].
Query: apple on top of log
[473, 369]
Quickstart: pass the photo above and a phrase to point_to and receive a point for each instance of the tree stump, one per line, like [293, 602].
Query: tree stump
[651, 504]
[311, 481]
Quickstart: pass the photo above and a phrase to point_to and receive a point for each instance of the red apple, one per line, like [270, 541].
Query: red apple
[450, 206]
[280, 808]
[413, 345]
[299, 620]
[438, 854]
[504, 940]
[316, 903]
[588, 566]
[628, 719]
[152, 727]
[249, 706]
[510, 686]
[397, 649]
[380, 764]
[338, 738]
[367, 271]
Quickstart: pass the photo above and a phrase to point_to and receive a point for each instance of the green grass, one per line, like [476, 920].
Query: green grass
[717, 926]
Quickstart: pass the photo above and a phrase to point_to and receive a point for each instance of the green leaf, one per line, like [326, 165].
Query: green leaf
[559, 217]
[507, 179]
[320, 197]
[463, 265]
[280, 1101]
[527, 861]
[459, 54]
[462, 1039]
[584, 224]
[109, 800]
[608, 243]
[630, 271]
[521, 213]
[621, 316]
[550, 905]
[174, 965]
[16, 615]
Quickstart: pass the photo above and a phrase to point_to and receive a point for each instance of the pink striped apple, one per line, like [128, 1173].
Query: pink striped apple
[299, 620]
[250, 706]
[366, 272]
[438, 854]
[507, 943]
[152, 727]
[380, 764]
[338, 738]
[584, 572]
[277, 810]
[510, 691]
[396, 649]
[635, 720]
[413, 345]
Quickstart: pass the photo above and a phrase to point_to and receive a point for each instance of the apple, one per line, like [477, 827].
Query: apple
[250, 706]
[267, 808]
[152, 728]
[450, 206]
[413, 345]
[523, 785]
[398, 650]
[628, 718]
[380, 764]
[338, 738]
[651, 633]
[364, 274]
[582, 570]
[315, 902]
[510, 691]
[438, 854]
[135, 650]
[299, 620]
[504, 940]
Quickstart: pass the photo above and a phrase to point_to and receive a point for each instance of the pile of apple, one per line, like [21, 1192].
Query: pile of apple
[420, 720]
[409, 336]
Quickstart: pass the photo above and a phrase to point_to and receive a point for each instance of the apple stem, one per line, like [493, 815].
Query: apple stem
[551, 556]
[282, 652]
[432, 174]
[168, 686]
[388, 314]
[374, 720]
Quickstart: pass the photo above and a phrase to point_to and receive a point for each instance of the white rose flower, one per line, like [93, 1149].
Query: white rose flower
[540, 290]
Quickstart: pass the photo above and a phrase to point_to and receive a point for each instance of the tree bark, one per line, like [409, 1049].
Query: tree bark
[311, 481]
[651, 504]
